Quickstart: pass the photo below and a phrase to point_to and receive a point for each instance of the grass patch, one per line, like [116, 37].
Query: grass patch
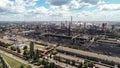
[13, 63]
[0, 64]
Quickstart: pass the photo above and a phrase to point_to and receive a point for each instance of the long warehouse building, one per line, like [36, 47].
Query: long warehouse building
[88, 55]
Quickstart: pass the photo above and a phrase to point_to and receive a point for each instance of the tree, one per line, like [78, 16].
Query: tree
[90, 64]
[37, 53]
[67, 61]
[54, 52]
[73, 62]
[18, 50]
[13, 48]
[29, 66]
[47, 66]
[55, 57]
[85, 65]
[25, 52]
[39, 62]
[22, 66]
[80, 65]
[31, 55]
[36, 56]
[52, 65]
[58, 58]
[27, 56]
[43, 61]
[4, 44]
[25, 47]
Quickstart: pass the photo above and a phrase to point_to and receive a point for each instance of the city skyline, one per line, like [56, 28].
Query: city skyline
[59, 10]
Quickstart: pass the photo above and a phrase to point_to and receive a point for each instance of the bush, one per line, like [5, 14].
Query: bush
[22, 66]
[52, 65]
[4, 44]
[73, 62]
[67, 61]
[18, 50]
[13, 48]
[80, 65]
[90, 64]
[54, 52]
[29, 66]
[25, 47]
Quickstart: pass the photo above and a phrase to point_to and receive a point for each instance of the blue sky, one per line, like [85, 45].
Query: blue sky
[59, 10]
[112, 1]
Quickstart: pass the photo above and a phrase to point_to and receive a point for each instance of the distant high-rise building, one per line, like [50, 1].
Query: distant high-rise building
[84, 30]
[37, 29]
[112, 27]
[69, 30]
[62, 25]
[104, 25]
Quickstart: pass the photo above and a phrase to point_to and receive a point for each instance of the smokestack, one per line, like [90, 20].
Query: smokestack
[71, 19]
[69, 28]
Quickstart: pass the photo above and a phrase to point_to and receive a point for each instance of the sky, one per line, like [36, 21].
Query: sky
[59, 10]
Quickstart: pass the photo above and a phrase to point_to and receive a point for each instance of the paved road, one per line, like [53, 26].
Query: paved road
[18, 59]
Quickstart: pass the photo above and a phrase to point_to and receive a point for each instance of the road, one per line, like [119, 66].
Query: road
[18, 59]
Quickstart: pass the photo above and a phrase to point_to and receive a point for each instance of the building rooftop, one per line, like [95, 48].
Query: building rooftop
[70, 57]
[6, 41]
[90, 54]
[110, 41]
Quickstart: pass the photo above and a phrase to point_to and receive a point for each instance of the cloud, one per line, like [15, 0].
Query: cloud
[40, 10]
[30, 2]
[60, 13]
[74, 4]
[11, 7]
[59, 10]
[99, 15]
[93, 2]
[63, 2]
[109, 7]
[58, 2]
[17, 6]
[4, 5]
